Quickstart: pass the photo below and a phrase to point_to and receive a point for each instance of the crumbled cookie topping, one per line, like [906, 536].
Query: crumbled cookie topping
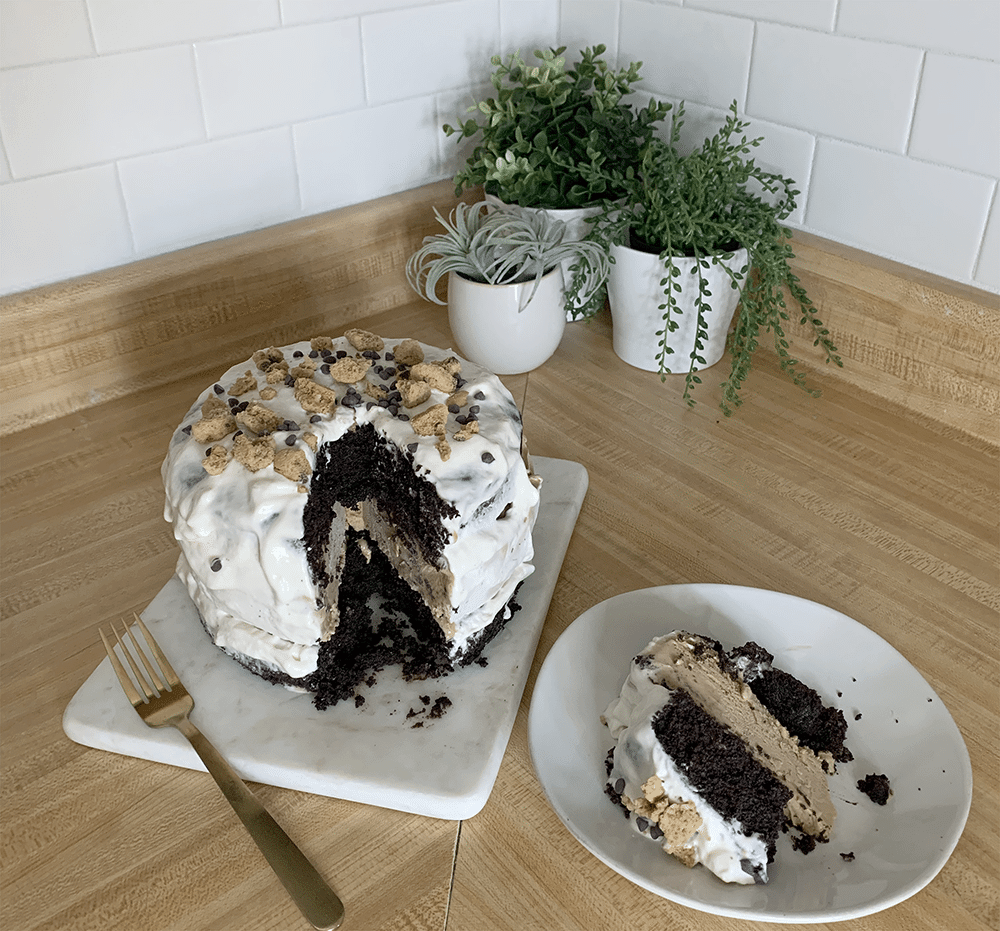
[265, 358]
[254, 454]
[432, 421]
[435, 374]
[216, 461]
[409, 352]
[315, 398]
[413, 393]
[293, 464]
[349, 370]
[259, 419]
[246, 382]
[362, 340]
[220, 423]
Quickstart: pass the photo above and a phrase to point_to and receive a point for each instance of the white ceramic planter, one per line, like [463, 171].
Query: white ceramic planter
[635, 295]
[577, 228]
[492, 328]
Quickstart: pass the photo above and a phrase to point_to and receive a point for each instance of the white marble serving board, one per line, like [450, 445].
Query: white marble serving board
[372, 754]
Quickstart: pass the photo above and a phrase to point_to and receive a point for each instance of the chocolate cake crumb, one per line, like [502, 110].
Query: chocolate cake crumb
[804, 843]
[876, 787]
[847, 857]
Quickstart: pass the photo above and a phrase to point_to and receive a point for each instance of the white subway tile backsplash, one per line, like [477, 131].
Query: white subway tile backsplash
[813, 14]
[963, 27]
[77, 113]
[952, 126]
[33, 32]
[583, 23]
[258, 81]
[213, 116]
[425, 50]
[847, 88]
[120, 25]
[914, 212]
[687, 53]
[211, 190]
[527, 26]
[337, 167]
[294, 12]
[988, 267]
[60, 226]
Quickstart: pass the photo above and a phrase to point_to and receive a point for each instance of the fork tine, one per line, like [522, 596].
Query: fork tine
[168, 670]
[157, 684]
[123, 677]
[147, 689]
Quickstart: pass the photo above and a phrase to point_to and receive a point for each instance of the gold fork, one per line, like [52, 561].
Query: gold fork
[164, 702]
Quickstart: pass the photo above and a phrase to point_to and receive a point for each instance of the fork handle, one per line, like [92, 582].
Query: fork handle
[310, 891]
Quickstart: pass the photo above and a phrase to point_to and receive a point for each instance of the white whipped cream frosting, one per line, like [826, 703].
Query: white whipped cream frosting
[243, 559]
[720, 844]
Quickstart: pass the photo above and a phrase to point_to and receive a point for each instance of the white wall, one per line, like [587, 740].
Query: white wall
[134, 127]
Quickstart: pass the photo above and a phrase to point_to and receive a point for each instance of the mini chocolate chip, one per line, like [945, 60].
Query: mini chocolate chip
[459, 381]
[233, 402]
[462, 419]
[412, 447]
[290, 440]
[289, 381]
[242, 406]
[238, 433]
[186, 429]
[487, 457]
[479, 396]
[371, 354]
[315, 418]
[325, 369]
[341, 353]
[453, 408]
[474, 409]
[388, 357]
[655, 832]
[297, 354]
[218, 389]
[619, 785]
[313, 354]
[404, 416]
[388, 372]
[642, 823]
[216, 564]
[369, 405]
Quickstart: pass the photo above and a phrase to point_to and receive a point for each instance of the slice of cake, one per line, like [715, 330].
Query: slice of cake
[716, 752]
[343, 505]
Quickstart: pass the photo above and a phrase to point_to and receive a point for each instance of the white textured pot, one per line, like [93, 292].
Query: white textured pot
[577, 228]
[492, 328]
[635, 295]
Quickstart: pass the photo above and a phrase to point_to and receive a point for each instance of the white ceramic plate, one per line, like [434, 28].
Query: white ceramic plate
[904, 731]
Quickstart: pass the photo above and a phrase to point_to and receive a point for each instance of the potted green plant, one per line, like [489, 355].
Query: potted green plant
[698, 242]
[503, 268]
[558, 139]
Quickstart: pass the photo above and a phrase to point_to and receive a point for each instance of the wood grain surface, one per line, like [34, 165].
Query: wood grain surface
[870, 501]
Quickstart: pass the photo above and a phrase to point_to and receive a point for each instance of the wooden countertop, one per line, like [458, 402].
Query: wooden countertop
[851, 500]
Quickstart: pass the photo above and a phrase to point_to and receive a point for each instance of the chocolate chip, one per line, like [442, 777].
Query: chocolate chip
[487, 457]
[218, 389]
[479, 396]
[370, 354]
[186, 430]
[341, 353]
[388, 357]
[233, 402]
[216, 564]
[453, 408]
[412, 447]
[474, 409]
[290, 440]
[289, 381]
[325, 369]
[315, 418]
[313, 354]
[297, 354]
[655, 832]
[404, 416]
[642, 823]
[619, 785]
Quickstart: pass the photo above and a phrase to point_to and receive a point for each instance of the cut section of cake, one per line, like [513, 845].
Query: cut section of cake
[347, 504]
[716, 752]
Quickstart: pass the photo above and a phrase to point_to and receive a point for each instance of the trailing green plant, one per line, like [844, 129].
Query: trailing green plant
[555, 137]
[707, 205]
[500, 244]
